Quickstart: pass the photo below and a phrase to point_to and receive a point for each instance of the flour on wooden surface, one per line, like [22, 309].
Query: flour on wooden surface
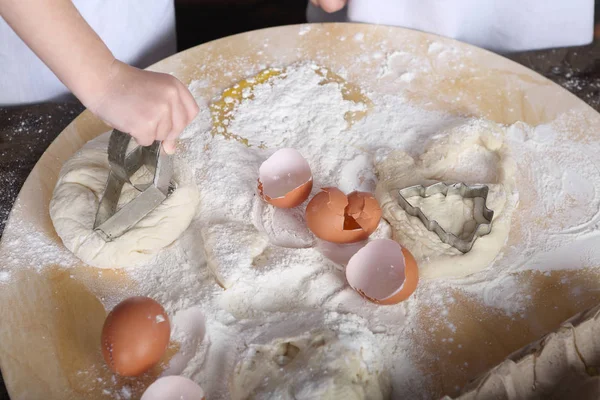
[290, 291]
[276, 292]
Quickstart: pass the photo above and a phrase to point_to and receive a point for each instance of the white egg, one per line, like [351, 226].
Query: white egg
[173, 388]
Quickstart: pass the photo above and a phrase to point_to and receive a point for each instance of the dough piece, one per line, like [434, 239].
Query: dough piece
[473, 153]
[316, 365]
[75, 202]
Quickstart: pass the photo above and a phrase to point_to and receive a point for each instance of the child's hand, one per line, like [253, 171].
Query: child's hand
[330, 5]
[148, 105]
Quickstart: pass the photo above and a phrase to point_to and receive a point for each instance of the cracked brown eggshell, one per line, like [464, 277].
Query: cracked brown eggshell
[337, 218]
[285, 179]
[383, 272]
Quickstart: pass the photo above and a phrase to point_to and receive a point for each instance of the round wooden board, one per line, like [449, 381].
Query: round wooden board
[51, 319]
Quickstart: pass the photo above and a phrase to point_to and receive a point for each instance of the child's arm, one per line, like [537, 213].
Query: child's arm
[330, 5]
[145, 104]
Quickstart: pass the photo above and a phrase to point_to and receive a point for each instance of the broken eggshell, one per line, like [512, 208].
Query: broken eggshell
[383, 272]
[285, 179]
[337, 218]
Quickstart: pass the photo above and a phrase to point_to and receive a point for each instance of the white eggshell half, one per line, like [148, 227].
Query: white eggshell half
[378, 269]
[283, 172]
[173, 388]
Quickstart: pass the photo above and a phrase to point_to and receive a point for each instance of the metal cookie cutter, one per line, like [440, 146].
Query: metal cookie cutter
[111, 223]
[481, 214]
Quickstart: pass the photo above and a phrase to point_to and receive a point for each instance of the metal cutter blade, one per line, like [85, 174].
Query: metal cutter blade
[481, 214]
[111, 223]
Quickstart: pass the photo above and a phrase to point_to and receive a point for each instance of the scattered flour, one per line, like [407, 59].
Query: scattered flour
[304, 30]
[4, 276]
[41, 251]
[287, 292]
[276, 292]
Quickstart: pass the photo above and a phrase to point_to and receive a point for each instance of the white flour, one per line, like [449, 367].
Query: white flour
[269, 286]
[277, 292]
[4, 276]
[41, 251]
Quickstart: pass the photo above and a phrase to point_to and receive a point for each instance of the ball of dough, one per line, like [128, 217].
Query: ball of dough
[75, 201]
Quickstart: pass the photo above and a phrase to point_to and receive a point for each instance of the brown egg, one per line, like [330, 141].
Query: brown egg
[383, 272]
[285, 179]
[337, 218]
[135, 336]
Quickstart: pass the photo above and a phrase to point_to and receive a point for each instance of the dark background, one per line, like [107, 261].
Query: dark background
[26, 131]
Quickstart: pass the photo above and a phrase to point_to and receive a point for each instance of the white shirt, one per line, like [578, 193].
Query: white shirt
[498, 25]
[138, 32]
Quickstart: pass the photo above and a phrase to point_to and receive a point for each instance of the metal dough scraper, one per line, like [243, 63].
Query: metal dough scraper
[111, 222]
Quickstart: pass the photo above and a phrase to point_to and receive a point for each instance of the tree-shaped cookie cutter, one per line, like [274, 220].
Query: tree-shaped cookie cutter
[111, 223]
[481, 214]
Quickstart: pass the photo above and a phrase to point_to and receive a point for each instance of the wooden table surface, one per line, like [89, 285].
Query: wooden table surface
[25, 132]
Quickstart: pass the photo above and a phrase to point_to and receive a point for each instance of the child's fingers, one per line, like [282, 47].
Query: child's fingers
[165, 124]
[145, 133]
[143, 138]
[180, 121]
[189, 104]
[332, 5]
[169, 146]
